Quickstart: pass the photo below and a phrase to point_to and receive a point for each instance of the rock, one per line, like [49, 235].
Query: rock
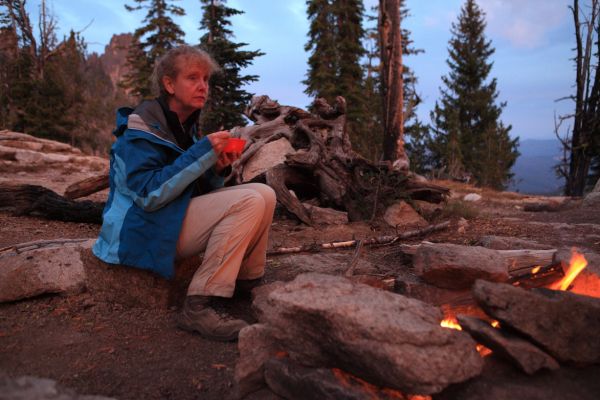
[256, 346]
[473, 197]
[28, 387]
[53, 269]
[292, 381]
[326, 216]
[592, 199]
[268, 156]
[565, 325]
[588, 281]
[518, 351]
[427, 209]
[454, 266]
[510, 243]
[384, 338]
[500, 381]
[402, 215]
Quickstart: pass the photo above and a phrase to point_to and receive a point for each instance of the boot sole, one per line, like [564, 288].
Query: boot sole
[187, 328]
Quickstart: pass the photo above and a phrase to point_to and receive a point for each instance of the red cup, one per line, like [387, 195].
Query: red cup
[234, 145]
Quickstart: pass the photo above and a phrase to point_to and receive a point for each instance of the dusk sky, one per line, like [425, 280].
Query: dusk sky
[533, 41]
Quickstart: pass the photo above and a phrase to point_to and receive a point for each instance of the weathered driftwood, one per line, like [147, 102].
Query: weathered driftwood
[519, 262]
[323, 165]
[381, 240]
[38, 200]
[87, 186]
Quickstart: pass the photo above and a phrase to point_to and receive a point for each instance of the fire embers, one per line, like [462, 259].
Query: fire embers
[542, 325]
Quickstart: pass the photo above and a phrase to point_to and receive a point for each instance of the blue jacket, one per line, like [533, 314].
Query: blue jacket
[152, 181]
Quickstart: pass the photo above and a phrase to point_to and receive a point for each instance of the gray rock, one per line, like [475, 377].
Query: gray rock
[256, 346]
[500, 381]
[472, 197]
[510, 243]
[520, 352]
[384, 338]
[293, 381]
[326, 216]
[592, 199]
[454, 266]
[52, 269]
[31, 388]
[565, 325]
[402, 215]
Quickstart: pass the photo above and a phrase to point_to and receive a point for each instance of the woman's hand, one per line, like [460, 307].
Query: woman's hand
[226, 159]
[218, 140]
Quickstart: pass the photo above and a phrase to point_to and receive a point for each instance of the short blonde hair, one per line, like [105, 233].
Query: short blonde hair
[168, 65]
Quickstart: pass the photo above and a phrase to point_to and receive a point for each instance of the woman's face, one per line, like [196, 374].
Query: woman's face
[189, 89]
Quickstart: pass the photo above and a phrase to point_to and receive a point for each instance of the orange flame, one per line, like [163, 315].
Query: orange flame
[576, 265]
[451, 323]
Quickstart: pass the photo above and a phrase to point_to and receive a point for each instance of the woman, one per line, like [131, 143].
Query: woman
[167, 199]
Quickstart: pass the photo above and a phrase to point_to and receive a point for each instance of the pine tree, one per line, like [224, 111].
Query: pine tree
[158, 35]
[335, 43]
[227, 98]
[469, 136]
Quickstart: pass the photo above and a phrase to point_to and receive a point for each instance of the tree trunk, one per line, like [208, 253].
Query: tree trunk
[586, 120]
[390, 39]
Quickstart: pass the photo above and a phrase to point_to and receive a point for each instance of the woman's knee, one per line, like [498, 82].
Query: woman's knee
[252, 200]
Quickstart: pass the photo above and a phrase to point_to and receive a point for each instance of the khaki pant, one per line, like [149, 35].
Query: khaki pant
[231, 225]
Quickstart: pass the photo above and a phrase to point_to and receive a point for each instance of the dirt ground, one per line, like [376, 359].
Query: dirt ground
[104, 348]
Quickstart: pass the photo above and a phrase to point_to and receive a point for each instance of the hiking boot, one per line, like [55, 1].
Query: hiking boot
[243, 288]
[198, 316]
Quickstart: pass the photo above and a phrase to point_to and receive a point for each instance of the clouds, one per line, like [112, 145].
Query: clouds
[525, 24]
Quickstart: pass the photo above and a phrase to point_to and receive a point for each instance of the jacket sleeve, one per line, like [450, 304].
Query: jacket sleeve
[144, 172]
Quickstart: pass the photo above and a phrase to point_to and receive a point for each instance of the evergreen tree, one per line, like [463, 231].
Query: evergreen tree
[469, 136]
[158, 35]
[335, 43]
[227, 99]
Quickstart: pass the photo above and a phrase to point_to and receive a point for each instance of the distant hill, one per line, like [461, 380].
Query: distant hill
[534, 169]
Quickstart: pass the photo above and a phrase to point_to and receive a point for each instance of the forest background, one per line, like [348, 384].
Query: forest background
[532, 62]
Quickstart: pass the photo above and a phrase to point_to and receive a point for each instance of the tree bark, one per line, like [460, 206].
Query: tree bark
[390, 40]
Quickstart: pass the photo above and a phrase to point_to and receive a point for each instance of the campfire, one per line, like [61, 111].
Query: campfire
[515, 307]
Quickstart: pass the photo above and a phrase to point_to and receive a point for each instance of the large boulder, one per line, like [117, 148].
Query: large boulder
[565, 325]
[385, 338]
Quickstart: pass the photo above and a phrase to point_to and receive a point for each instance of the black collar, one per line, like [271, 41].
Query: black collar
[183, 132]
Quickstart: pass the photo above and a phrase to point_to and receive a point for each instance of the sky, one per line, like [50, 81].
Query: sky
[532, 63]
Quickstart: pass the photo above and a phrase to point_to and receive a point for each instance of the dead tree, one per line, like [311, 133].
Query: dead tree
[322, 165]
[390, 44]
[586, 117]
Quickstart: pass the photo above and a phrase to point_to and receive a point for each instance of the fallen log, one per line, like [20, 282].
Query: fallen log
[40, 201]
[87, 186]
